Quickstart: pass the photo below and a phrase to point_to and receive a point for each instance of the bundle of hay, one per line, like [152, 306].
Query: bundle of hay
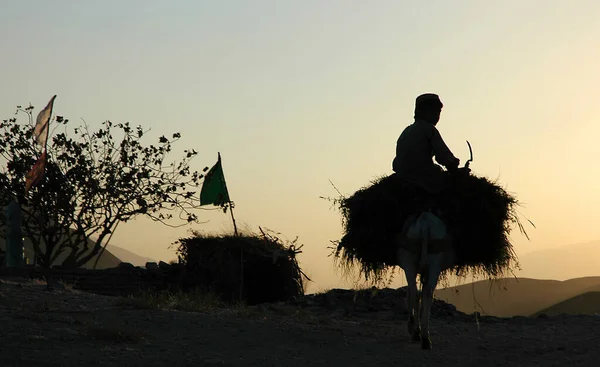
[249, 268]
[479, 213]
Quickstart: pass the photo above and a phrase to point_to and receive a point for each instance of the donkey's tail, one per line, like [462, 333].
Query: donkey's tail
[424, 244]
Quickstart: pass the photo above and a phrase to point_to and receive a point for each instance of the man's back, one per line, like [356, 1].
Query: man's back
[415, 148]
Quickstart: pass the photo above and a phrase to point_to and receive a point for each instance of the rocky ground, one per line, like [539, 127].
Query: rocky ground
[56, 326]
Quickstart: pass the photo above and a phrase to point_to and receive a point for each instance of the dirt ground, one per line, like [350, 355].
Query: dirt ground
[62, 327]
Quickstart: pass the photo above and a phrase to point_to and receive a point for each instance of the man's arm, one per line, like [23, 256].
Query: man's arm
[442, 153]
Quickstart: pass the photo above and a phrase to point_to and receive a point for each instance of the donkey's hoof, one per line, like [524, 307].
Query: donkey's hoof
[426, 343]
[416, 336]
[411, 327]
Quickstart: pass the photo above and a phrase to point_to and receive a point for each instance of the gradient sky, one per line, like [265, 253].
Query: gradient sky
[296, 93]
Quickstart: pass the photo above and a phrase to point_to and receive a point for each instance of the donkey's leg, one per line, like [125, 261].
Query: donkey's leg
[408, 264]
[429, 286]
[414, 322]
[423, 281]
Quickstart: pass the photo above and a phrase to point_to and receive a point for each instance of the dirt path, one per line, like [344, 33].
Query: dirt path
[66, 328]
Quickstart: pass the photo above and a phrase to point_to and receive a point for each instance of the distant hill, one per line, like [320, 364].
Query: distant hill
[584, 304]
[112, 256]
[512, 297]
[128, 256]
[107, 260]
[561, 263]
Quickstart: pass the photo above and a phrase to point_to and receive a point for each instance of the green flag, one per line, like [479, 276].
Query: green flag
[214, 189]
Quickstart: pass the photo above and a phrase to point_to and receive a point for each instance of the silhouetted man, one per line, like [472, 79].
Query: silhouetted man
[419, 143]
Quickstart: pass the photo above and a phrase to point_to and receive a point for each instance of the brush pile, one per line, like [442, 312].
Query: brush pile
[248, 268]
[479, 214]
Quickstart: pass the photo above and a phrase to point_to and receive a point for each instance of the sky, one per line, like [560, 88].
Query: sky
[295, 94]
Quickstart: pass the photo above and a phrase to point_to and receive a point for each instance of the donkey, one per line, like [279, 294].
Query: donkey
[425, 248]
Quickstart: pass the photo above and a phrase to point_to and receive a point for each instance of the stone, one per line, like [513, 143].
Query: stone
[55, 284]
[152, 266]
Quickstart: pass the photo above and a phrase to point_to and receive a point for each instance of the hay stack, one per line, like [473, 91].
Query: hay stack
[216, 264]
[479, 213]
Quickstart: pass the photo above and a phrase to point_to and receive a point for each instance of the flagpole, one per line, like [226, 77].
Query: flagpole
[235, 233]
[230, 203]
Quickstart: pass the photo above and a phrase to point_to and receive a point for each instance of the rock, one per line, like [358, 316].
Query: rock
[164, 266]
[386, 302]
[125, 265]
[56, 284]
[152, 266]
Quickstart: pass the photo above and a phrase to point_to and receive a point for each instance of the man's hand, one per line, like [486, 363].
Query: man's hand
[465, 170]
[453, 168]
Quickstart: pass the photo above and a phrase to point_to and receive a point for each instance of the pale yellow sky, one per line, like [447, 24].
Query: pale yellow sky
[294, 94]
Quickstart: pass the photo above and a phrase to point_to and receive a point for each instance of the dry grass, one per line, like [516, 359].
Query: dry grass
[68, 286]
[255, 268]
[194, 301]
[203, 302]
[38, 281]
[477, 210]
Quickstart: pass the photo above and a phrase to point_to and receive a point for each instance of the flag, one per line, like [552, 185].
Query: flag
[40, 132]
[35, 175]
[214, 189]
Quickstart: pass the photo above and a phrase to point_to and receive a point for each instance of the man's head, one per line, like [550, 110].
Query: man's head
[428, 108]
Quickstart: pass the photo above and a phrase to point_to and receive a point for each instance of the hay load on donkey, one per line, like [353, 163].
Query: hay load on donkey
[478, 212]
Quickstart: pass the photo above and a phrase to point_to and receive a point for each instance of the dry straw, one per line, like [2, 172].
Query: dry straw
[253, 268]
[480, 215]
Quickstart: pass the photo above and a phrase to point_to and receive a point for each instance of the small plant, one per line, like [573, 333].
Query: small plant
[193, 301]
